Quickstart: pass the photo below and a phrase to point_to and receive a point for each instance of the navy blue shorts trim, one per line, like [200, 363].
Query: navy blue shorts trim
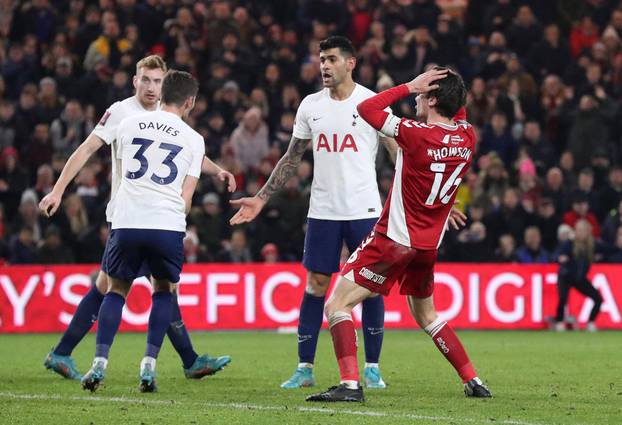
[129, 250]
[325, 238]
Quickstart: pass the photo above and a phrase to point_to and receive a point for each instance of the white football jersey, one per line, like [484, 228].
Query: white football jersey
[157, 151]
[106, 130]
[344, 152]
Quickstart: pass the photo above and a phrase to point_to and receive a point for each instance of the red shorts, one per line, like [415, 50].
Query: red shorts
[379, 262]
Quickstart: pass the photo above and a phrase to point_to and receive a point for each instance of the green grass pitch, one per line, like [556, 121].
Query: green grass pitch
[537, 378]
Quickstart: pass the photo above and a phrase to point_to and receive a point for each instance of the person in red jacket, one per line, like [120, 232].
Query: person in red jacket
[581, 210]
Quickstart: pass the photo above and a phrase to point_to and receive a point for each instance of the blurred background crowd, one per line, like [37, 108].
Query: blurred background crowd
[544, 79]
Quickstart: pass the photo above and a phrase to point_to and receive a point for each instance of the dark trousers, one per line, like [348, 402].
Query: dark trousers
[582, 285]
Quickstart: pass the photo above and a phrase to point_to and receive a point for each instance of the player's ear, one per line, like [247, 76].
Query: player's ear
[134, 81]
[351, 63]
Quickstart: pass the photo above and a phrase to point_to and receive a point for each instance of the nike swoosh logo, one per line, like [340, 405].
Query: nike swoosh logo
[373, 331]
[304, 338]
[315, 119]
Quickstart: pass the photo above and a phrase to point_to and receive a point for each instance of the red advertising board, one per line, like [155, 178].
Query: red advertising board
[257, 296]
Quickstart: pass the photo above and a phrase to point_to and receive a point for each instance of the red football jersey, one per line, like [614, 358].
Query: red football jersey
[428, 170]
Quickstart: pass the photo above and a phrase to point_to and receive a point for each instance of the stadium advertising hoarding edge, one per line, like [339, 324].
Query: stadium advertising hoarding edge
[259, 296]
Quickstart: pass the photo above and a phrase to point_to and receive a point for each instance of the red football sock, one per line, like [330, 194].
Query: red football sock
[449, 345]
[344, 341]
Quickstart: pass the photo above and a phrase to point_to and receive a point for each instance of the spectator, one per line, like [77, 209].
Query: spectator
[270, 253]
[547, 219]
[250, 139]
[585, 186]
[589, 131]
[524, 32]
[583, 35]
[532, 251]
[13, 180]
[549, 55]
[211, 226]
[506, 252]
[581, 211]
[509, 218]
[22, 247]
[542, 151]
[614, 254]
[472, 244]
[496, 138]
[610, 196]
[52, 251]
[108, 47]
[236, 250]
[70, 129]
[611, 225]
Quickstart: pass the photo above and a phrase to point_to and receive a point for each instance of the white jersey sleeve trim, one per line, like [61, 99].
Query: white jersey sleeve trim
[391, 125]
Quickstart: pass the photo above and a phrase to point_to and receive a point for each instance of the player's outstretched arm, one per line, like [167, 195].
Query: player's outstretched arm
[210, 168]
[50, 202]
[285, 168]
[187, 190]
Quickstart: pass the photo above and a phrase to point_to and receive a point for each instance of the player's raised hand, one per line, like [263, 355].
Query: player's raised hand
[423, 82]
[457, 218]
[226, 176]
[50, 203]
[249, 209]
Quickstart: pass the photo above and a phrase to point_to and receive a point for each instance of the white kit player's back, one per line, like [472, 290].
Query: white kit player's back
[157, 151]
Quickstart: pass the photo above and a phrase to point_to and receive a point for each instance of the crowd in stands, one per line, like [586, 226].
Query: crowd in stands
[545, 90]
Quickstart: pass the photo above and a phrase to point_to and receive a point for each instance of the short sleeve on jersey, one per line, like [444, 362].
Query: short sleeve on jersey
[197, 158]
[106, 128]
[302, 130]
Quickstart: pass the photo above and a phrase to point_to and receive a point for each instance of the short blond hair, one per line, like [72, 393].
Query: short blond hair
[151, 62]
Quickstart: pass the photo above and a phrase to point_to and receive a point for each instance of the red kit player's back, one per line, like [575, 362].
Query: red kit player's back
[428, 170]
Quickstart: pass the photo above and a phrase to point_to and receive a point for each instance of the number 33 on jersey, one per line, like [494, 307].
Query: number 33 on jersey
[429, 168]
[157, 151]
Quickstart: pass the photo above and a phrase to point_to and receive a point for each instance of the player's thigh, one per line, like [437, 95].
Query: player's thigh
[356, 230]
[125, 254]
[106, 253]
[165, 254]
[323, 243]
[346, 296]
[418, 277]
[377, 263]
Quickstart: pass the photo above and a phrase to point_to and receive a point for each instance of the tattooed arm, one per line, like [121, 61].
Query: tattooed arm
[285, 168]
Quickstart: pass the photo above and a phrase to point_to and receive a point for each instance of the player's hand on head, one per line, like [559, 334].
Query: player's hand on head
[226, 176]
[50, 203]
[249, 209]
[424, 83]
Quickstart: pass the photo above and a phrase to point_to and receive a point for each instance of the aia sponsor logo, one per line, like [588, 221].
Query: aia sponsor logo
[334, 144]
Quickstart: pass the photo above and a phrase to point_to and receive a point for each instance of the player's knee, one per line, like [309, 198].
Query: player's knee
[162, 286]
[317, 284]
[118, 287]
[101, 282]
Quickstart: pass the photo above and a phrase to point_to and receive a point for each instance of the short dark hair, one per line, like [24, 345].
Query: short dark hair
[178, 86]
[450, 94]
[338, 42]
